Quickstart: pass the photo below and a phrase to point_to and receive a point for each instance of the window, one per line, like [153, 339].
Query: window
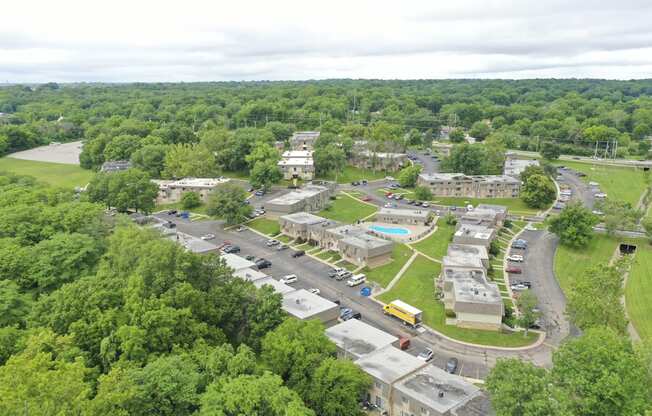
[379, 401]
[404, 399]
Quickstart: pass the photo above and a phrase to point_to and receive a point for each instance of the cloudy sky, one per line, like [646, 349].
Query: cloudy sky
[193, 40]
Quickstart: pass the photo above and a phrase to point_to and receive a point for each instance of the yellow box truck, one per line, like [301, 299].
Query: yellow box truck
[406, 313]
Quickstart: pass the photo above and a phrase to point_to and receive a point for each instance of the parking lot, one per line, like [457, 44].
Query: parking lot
[581, 191]
[314, 274]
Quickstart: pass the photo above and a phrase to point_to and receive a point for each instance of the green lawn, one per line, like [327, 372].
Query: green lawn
[620, 183]
[346, 209]
[57, 174]
[515, 205]
[437, 244]
[638, 291]
[384, 274]
[265, 226]
[177, 205]
[283, 238]
[351, 173]
[417, 288]
[346, 265]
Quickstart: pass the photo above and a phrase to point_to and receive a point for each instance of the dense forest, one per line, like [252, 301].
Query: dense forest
[143, 121]
[100, 317]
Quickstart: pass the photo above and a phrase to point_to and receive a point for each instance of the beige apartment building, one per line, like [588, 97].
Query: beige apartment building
[403, 216]
[304, 140]
[171, 191]
[297, 164]
[465, 186]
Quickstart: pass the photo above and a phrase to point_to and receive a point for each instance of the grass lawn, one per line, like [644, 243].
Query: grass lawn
[241, 174]
[346, 209]
[351, 173]
[177, 205]
[621, 183]
[346, 265]
[417, 288]
[265, 226]
[283, 238]
[639, 291]
[384, 274]
[57, 174]
[437, 244]
[515, 205]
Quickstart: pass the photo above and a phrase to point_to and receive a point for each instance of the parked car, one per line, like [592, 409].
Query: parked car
[314, 291]
[425, 204]
[389, 178]
[289, 279]
[356, 280]
[519, 244]
[345, 311]
[518, 287]
[355, 183]
[241, 228]
[388, 205]
[231, 249]
[271, 243]
[398, 197]
[281, 247]
[513, 269]
[404, 343]
[409, 201]
[600, 195]
[426, 355]
[208, 237]
[333, 272]
[263, 264]
[250, 257]
[259, 192]
[451, 365]
[172, 212]
[364, 182]
[298, 253]
[515, 257]
[343, 275]
[367, 198]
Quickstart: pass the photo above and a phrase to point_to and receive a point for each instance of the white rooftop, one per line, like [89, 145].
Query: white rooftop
[236, 262]
[358, 338]
[250, 275]
[191, 182]
[407, 308]
[389, 364]
[304, 305]
[303, 218]
[467, 250]
[405, 212]
[298, 195]
[279, 287]
[476, 231]
[193, 244]
[297, 154]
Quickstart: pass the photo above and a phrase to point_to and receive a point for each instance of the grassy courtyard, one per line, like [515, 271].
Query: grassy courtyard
[265, 226]
[619, 183]
[351, 173]
[384, 274]
[347, 210]
[639, 289]
[417, 288]
[57, 174]
[437, 244]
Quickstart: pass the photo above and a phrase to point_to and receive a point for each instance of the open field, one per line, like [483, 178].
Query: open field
[620, 183]
[638, 291]
[265, 226]
[417, 288]
[57, 174]
[437, 244]
[384, 274]
[351, 173]
[346, 209]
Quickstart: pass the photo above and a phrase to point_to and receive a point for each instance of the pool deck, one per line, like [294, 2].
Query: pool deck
[415, 231]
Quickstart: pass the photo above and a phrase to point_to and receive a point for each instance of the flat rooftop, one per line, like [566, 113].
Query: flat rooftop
[472, 286]
[301, 135]
[501, 209]
[236, 262]
[304, 305]
[298, 154]
[278, 287]
[462, 261]
[250, 275]
[468, 250]
[298, 195]
[346, 230]
[193, 244]
[191, 182]
[366, 241]
[305, 218]
[449, 177]
[388, 364]
[358, 338]
[437, 389]
[384, 155]
[415, 213]
[476, 231]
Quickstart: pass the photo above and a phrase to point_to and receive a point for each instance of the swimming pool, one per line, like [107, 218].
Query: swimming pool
[390, 230]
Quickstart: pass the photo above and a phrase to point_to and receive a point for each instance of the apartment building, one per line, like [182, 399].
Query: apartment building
[304, 140]
[171, 191]
[309, 198]
[297, 164]
[465, 186]
[367, 159]
[403, 216]
[479, 235]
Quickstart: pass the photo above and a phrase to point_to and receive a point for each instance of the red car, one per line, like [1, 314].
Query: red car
[513, 269]
[366, 198]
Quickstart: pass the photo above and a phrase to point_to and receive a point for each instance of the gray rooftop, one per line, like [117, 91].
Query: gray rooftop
[417, 213]
[388, 364]
[441, 177]
[437, 389]
[458, 250]
[366, 241]
[462, 261]
[303, 218]
[249, 274]
[304, 305]
[476, 231]
[193, 244]
[236, 262]
[279, 287]
[472, 286]
[358, 338]
[346, 230]
[298, 195]
[517, 166]
[501, 209]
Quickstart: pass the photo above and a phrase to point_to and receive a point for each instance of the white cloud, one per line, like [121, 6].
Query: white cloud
[147, 40]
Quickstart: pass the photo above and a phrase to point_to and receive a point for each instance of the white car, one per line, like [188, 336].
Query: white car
[596, 212]
[241, 228]
[530, 227]
[208, 237]
[358, 279]
[518, 287]
[271, 243]
[515, 257]
[426, 355]
[389, 178]
[314, 290]
[289, 279]
[600, 195]
[388, 205]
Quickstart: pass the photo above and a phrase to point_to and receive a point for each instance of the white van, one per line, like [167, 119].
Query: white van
[356, 280]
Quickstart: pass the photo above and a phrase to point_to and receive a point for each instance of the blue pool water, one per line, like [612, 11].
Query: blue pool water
[390, 230]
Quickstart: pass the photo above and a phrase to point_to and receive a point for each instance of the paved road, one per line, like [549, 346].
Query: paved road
[538, 269]
[585, 159]
[429, 164]
[581, 191]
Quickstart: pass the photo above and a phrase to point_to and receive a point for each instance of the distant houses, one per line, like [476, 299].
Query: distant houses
[304, 140]
[171, 191]
[310, 198]
[115, 166]
[515, 166]
[467, 186]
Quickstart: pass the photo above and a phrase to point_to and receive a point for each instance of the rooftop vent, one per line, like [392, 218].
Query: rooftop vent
[441, 394]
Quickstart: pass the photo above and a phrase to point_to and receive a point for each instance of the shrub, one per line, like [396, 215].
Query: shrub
[190, 200]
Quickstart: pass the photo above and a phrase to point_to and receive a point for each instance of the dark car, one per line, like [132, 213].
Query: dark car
[298, 253]
[250, 257]
[451, 365]
[231, 249]
[263, 264]
[364, 182]
[172, 212]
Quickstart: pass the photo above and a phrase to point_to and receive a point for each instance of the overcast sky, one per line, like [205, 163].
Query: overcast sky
[192, 40]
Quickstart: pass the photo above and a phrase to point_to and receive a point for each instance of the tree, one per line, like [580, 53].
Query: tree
[228, 201]
[457, 135]
[264, 174]
[408, 176]
[520, 388]
[121, 147]
[601, 374]
[14, 305]
[480, 130]
[527, 304]
[189, 160]
[265, 396]
[262, 152]
[123, 190]
[619, 215]
[574, 225]
[539, 191]
[422, 193]
[336, 388]
[550, 150]
[190, 200]
[647, 226]
[532, 170]
[150, 159]
[466, 158]
[329, 159]
[595, 298]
